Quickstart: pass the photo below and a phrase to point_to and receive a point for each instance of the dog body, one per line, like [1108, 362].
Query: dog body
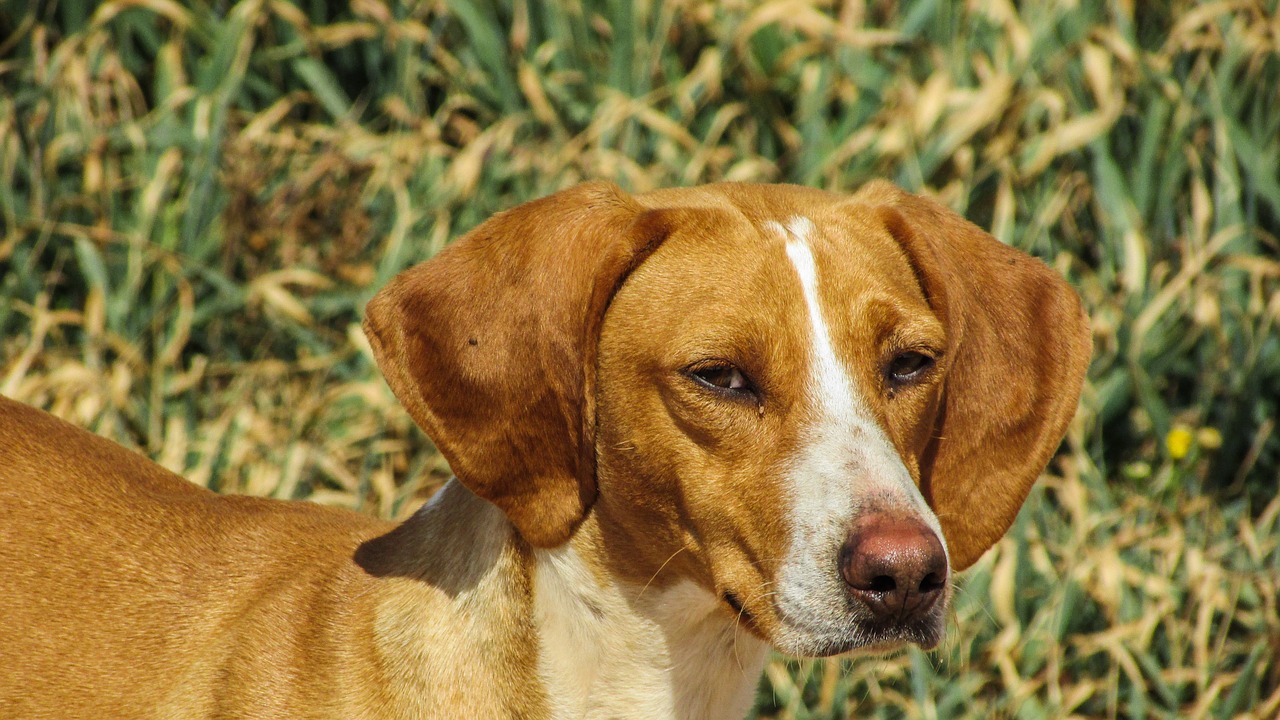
[686, 426]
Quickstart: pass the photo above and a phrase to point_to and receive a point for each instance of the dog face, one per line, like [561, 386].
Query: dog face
[763, 387]
[812, 406]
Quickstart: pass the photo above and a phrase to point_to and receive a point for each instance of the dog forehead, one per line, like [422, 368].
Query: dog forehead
[731, 239]
[716, 278]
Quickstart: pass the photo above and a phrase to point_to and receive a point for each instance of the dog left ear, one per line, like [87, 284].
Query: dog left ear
[1019, 344]
[491, 346]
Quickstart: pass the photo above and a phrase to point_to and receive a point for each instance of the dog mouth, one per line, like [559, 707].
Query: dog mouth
[871, 638]
[744, 616]
[866, 637]
[848, 631]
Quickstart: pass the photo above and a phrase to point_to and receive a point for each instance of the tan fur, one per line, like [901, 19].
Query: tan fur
[609, 512]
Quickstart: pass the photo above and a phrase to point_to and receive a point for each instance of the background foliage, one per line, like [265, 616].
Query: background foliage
[197, 199]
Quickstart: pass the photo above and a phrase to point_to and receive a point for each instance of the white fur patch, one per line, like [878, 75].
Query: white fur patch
[615, 651]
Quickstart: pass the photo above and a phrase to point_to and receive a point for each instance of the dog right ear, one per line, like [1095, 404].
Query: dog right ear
[491, 346]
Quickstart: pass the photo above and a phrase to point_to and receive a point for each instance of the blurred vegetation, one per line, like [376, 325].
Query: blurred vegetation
[196, 199]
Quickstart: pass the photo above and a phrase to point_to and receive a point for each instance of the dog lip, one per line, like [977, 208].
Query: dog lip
[820, 640]
[742, 614]
[872, 639]
[926, 632]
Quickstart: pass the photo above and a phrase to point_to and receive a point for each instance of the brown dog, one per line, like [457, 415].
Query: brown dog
[686, 426]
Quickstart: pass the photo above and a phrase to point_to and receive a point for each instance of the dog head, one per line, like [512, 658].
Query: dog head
[814, 406]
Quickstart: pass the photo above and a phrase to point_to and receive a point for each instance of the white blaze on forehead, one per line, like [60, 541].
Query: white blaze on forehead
[829, 376]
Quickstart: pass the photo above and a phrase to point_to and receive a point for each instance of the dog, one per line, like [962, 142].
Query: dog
[686, 426]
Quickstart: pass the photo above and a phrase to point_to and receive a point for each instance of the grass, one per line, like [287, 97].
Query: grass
[197, 199]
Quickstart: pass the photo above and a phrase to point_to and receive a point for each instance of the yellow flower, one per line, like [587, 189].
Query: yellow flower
[1178, 442]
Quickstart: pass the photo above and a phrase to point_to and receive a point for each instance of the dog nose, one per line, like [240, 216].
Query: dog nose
[895, 566]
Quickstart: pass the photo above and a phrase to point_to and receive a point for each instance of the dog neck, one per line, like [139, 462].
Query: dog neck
[614, 649]
[602, 647]
[452, 583]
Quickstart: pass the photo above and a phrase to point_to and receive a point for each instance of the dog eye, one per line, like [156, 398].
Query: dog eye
[721, 378]
[908, 367]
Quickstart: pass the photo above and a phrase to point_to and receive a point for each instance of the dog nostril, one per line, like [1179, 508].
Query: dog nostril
[882, 584]
[932, 583]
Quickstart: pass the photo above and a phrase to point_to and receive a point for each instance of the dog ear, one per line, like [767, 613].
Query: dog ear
[491, 346]
[1019, 344]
